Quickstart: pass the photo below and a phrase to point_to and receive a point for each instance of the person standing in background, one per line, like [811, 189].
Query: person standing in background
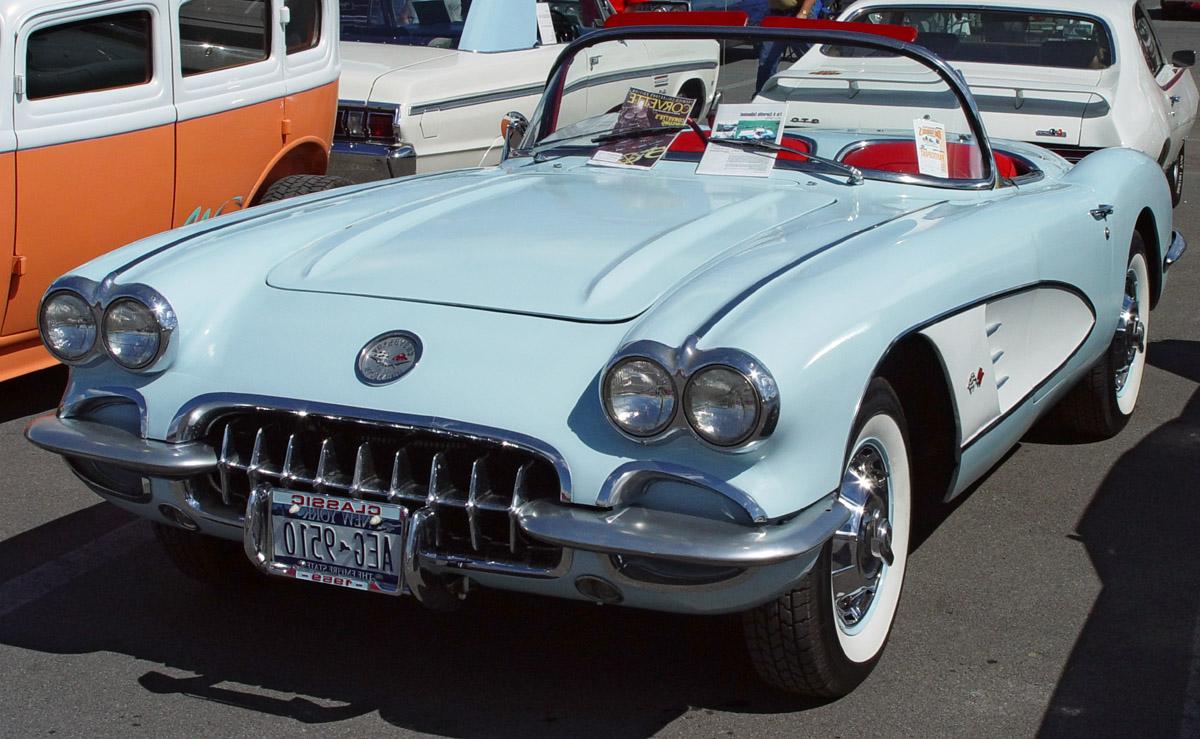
[771, 51]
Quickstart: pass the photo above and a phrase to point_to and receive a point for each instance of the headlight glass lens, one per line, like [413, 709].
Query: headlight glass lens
[68, 326]
[640, 397]
[721, 405]
[132, 334]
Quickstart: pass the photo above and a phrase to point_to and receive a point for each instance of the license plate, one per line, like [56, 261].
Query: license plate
[338, 541]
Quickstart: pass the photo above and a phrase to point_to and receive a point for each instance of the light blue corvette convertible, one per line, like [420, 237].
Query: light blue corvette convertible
[594, 372]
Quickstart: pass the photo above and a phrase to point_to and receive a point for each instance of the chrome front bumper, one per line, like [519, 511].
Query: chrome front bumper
[362, 162]
[763, 558]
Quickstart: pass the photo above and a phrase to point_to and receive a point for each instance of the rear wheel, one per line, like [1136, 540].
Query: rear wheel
[205, 559]
[300, 184]
[1104, 400]
[824, 637]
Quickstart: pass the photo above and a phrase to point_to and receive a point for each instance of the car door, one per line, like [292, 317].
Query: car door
[311, 63]
[95, 136]
[10, 267]
[229, 93]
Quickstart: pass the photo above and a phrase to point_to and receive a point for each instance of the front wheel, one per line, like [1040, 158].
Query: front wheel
[824, 637]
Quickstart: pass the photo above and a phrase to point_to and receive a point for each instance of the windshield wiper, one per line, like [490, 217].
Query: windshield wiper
[854, 175]
[634, 133]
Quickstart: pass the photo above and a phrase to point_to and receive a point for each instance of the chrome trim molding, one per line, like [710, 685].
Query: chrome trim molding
[629, 74]
[466, 101]
[650, 533]
[194, 418]
[1175, 251]
[100, 443]
[626, 481]
[682, 364]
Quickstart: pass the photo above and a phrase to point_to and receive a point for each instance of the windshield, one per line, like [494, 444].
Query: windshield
[968, 34]
[758, 103]
[442, 23]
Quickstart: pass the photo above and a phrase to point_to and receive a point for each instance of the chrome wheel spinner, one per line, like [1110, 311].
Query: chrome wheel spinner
[862, 547]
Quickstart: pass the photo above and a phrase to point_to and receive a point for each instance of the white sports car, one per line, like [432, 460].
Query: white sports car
[425, 83]
[1071, 75]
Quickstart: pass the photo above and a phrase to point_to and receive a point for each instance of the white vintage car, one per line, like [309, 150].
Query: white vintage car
[1071, 75]
[425, 83]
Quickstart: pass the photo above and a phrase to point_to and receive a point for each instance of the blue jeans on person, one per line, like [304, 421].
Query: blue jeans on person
[771, 52]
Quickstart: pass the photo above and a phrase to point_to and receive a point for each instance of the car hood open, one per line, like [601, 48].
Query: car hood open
[584, 243]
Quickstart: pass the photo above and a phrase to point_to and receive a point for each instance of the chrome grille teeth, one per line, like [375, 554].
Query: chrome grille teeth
[480, 487]
[226, 461]
[364, 473]
[439, 485]
[404, 486]
[326, 466]
[293, 469]
[469, 512]
[257, 460]
[518, 498]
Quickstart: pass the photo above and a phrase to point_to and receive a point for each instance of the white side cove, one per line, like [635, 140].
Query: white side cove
[997, 353]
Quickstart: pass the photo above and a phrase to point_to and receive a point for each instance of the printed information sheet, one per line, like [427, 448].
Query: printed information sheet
[748, 122]
[932, 158]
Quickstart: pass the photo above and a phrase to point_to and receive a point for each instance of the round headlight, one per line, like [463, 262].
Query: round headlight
[132, 333]
[721, 405]
[639, 397]
[68, 326]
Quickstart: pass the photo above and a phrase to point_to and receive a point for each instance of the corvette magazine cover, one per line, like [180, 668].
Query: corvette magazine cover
[643, 110]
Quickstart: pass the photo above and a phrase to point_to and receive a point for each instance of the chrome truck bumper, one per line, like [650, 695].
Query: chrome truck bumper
[361, 162]
[636, 555]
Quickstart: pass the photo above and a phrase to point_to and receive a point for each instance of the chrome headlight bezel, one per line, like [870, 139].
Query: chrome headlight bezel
[44, 329]
[159, 317]
[682, 364]
[690, 411]
[608, 402]
[101, 297]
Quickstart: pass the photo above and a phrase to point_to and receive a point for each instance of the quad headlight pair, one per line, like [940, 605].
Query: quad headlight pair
[134, 329]
[726, 397]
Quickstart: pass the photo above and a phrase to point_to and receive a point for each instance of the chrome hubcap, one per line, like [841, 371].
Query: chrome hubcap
[862, 547]
[1130, 339]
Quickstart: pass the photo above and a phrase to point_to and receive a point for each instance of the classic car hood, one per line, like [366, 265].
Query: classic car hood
[586, 244]
[363, 64]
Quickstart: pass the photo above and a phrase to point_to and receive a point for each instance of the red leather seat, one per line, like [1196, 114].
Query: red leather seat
[901, 156]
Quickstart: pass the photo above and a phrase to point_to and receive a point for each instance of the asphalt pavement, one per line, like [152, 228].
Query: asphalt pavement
[1060, 597]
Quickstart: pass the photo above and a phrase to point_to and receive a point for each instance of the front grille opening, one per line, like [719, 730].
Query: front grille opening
[473, 484]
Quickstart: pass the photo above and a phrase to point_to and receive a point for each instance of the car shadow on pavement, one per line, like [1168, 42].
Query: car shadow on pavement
[1131, 666]
[503, 664]
[33, 393]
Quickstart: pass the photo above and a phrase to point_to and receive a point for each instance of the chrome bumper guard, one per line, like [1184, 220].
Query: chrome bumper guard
[100, 443]
[1175, 251]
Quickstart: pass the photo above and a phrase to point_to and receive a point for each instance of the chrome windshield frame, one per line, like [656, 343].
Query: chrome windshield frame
[543, 124]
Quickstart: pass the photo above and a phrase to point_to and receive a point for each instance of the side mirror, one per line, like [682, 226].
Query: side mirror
[1184, 58]
[513, 128]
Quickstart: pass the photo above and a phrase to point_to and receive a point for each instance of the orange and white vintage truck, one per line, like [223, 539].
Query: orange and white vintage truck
[123, 118]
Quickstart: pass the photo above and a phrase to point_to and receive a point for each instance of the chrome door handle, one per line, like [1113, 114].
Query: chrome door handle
[1102, 212]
